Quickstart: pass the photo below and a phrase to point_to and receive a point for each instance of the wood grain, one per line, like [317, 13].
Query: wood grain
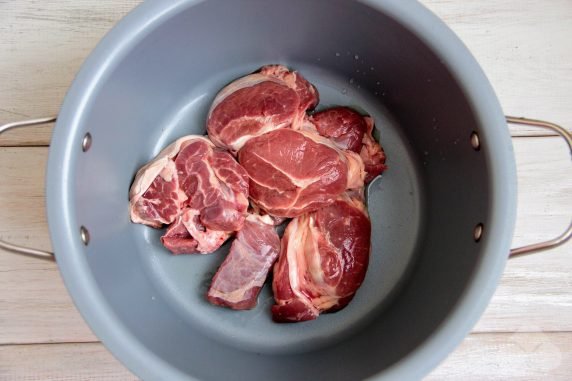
[523, 47]
[500, 356]
[34, 304]
[69, 362]
[23, 218]
[509, 356]
[42, 46]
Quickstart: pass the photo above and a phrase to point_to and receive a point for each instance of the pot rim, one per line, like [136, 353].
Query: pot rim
[495, 145]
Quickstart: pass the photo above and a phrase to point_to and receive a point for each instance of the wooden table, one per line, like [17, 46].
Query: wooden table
[523, 45]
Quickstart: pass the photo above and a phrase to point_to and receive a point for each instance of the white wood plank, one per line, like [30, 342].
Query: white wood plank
[22, 216]
[60, 362]
[524, 48]
[493, 356]
[509, 356]
[42, 45]
[34, 304]
[544, 172]
[535, 293]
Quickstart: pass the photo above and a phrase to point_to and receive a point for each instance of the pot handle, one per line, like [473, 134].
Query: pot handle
[27, 251]
[524, 250]
[564, 237]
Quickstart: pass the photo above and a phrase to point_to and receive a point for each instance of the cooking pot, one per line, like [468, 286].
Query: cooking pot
[442, 215]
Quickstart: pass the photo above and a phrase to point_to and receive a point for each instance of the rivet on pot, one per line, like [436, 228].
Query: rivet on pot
[86, 142]
[84, 234]
[478, 232]
[475, 141]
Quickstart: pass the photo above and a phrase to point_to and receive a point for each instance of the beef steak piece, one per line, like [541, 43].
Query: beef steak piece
[350, 130]
[261, 102]
[323, 260]
[196, 186]
[295, 172]
[240, 277]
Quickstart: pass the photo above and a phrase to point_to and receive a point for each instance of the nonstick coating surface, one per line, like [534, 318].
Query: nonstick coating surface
[151, 80]
[394, 203]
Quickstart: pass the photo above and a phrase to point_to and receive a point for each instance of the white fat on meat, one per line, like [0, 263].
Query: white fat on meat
[208, 240]
[162, 165]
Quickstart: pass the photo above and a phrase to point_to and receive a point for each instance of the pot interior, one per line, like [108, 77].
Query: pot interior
[423, 209]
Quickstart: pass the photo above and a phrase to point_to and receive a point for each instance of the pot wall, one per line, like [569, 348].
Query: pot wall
[134, 95]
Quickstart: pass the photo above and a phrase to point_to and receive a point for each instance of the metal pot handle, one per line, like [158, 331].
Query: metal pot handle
[564, 237]
[529, 249]
[46, 255]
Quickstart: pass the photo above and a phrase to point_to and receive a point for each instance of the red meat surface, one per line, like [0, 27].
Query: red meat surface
[323, 260]
[258, 103]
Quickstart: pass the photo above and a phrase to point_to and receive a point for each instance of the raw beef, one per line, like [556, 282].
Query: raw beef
[323, 260]
[243, 272]
[307, 92]
[188, 235]
[155, 196]
[191, 181]
[215, 184]
[342, 125]
[177, 238]
[312, 168]
[371, 153]
[295, 172]
[257, 103]
[351, 131]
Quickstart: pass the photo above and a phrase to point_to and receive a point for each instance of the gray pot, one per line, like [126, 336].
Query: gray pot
[442, 215]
